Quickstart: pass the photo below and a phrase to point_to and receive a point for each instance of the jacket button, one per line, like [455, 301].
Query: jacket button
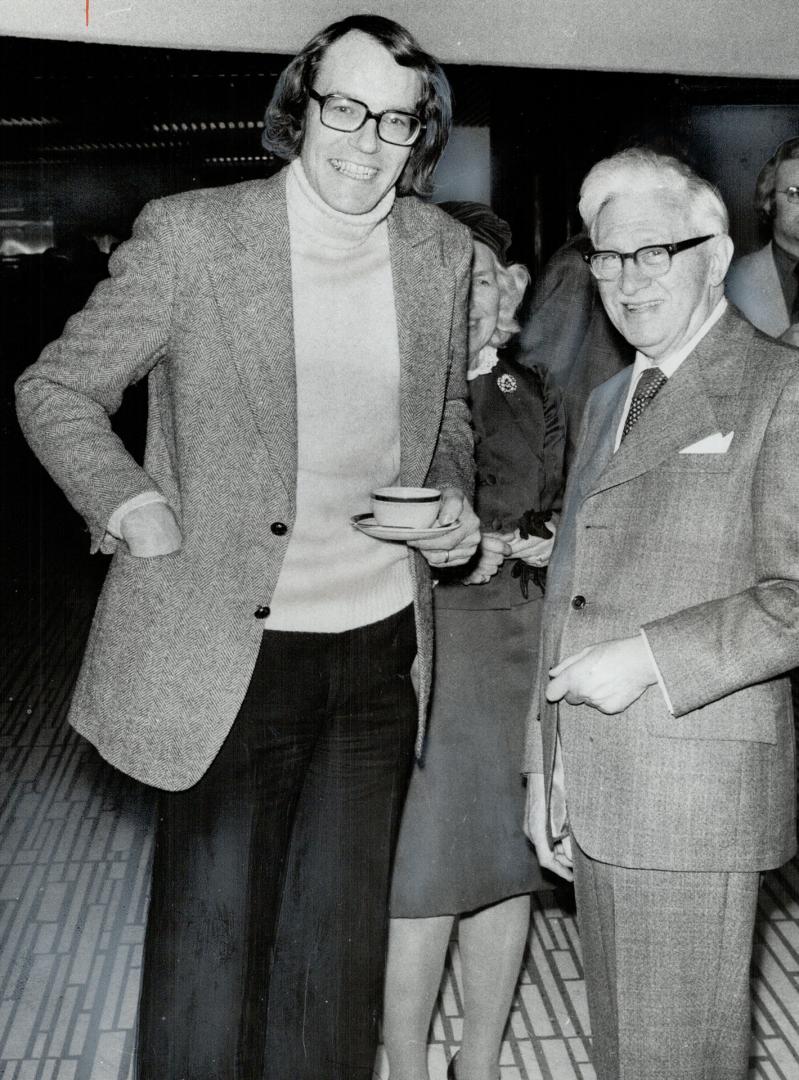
[261, 612]
[578, 602]
[279, 529]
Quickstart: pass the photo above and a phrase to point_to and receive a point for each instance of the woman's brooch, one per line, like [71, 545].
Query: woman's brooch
[507, 384]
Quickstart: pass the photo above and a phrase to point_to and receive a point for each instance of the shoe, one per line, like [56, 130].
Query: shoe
[451, 1075]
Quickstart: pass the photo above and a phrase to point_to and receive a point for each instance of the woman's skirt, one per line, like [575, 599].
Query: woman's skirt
[462, 844]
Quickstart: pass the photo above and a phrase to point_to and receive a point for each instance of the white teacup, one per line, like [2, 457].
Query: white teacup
[406, 507]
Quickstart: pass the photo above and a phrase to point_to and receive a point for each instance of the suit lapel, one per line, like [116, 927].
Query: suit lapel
[251, 275]
[420, 299]
[601, 423]
[689, 407]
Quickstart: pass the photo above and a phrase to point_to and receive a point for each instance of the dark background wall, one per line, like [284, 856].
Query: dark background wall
[88, 133]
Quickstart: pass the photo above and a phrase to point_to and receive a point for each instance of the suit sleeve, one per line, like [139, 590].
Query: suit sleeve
[453, 460]
[65, 400]
[718, 647]
[559, 314]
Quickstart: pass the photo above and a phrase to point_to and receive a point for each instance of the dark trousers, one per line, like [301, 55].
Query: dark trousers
[317, 764]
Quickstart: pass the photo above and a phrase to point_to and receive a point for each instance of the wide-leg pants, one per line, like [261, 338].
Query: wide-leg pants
[323, 740]
[666, 957]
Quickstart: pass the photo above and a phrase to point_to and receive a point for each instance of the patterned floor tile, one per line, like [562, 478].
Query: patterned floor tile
[75, 844]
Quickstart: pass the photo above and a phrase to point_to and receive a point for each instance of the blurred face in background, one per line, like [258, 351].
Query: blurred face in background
[484, 298]
[786, 214]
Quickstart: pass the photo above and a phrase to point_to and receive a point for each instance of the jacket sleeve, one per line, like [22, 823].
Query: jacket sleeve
[453, 461]
[65, 399]
[713, 649]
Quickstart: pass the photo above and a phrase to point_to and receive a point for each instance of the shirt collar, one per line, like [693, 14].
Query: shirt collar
[484, 363]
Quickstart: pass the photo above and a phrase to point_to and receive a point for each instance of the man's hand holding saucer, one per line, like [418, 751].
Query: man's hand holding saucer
[458, 545]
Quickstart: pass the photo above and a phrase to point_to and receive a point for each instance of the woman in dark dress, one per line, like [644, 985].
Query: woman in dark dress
[462, 852]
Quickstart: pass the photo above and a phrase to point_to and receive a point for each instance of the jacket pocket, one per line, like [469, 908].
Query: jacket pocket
[750, 715]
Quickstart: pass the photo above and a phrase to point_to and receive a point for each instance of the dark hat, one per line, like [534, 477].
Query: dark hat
[484, 224]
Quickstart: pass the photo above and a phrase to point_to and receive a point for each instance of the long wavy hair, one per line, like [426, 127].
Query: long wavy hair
[284, 122]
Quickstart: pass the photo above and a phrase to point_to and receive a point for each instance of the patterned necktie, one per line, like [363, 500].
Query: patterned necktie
[795, 305]
[648, 385]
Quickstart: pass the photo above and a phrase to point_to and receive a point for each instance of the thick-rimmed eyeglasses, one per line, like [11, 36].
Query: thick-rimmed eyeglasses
[654, 260]
[347, 114]
[791, 193]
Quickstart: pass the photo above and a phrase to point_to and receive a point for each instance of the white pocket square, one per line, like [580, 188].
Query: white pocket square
[711, 444]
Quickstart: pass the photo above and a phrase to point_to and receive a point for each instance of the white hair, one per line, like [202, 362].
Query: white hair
[512, 281]
[642, 171]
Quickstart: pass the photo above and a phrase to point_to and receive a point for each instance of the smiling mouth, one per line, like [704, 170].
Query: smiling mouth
[353, 171]
[642, 305]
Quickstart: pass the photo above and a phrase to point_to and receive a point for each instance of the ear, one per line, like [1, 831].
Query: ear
[720, 258]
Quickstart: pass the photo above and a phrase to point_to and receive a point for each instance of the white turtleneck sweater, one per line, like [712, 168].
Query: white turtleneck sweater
[334, 577]
[348, 417]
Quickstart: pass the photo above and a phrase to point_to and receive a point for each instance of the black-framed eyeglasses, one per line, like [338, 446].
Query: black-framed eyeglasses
[346, 114]
[791, 193]
[653, 260]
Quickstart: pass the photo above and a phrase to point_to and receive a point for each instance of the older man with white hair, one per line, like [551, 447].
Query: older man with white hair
[661, 753]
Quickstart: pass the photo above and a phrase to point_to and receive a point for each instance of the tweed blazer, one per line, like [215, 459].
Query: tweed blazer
[200, 301]
[753, 285]
[701, 550]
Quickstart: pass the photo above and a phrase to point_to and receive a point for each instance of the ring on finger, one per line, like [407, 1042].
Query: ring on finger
[446, 557]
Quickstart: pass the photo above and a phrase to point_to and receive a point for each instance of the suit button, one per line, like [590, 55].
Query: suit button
[578, 602]
[279, 529]
[261, 612]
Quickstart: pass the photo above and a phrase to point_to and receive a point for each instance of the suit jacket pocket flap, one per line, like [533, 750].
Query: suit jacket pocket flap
[749, 716]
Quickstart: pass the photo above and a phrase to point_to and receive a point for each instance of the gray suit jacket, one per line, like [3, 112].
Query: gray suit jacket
[200, 299]
[702, 551]
[753, 285]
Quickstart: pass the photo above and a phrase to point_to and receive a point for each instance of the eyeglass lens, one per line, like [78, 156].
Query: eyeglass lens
[652, 261]
[345, 114]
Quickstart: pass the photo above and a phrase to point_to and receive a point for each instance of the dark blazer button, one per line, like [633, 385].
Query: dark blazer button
[279, 529]
[578, 602]
[261, 612]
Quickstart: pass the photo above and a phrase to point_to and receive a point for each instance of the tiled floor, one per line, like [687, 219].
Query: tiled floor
[74, 855]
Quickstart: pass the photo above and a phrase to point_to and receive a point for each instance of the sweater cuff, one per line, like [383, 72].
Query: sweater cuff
[114, 525]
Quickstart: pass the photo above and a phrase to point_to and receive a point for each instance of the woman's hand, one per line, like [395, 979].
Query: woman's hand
[494, 550]
[535, 550]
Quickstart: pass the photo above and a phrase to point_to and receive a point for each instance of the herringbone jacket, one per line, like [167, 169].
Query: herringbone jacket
[199, 300]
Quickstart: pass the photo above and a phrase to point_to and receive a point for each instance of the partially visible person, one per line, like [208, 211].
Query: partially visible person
[568, 332]
[304, 341]
[462, 853]
[764, 286]
[661, 747]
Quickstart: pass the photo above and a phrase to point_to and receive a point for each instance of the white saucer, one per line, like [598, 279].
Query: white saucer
[367, 524]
